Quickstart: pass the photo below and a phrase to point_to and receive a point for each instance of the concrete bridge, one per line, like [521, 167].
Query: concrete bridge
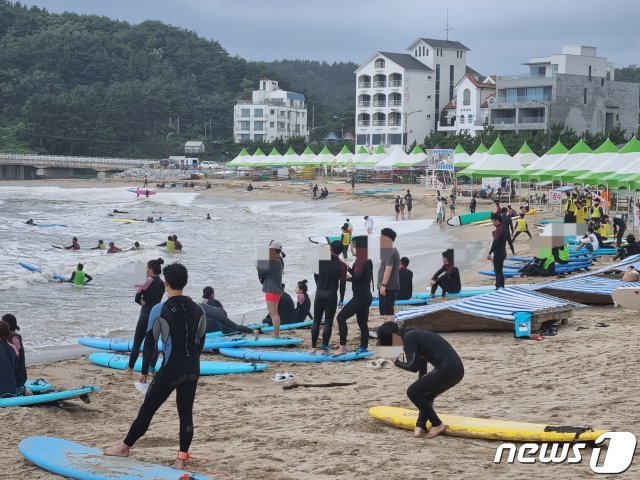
[27, 166]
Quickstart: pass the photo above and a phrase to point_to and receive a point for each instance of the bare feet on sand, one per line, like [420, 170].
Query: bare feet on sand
[120, 450]
[179, 464]
[128, 371]
[418, 432]
[435, 431]
[311, 351]
[340, 351]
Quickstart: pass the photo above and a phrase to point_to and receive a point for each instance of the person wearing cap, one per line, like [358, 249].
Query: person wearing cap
[388, 273]
[21, 369]
[420, 348]
[113, 248]
[270, 272]
[331, 277]
[74, 244]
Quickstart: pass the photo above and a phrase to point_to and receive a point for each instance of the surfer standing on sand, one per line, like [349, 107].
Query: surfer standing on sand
[182, 324]
[270, 272]
[422, 347]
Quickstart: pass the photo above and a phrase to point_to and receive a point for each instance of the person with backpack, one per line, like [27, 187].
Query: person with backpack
[181, 324]
[361, 283]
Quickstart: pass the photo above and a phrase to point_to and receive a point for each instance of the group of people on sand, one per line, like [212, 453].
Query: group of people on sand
[441, 215]
[314, 190]
[400, 203]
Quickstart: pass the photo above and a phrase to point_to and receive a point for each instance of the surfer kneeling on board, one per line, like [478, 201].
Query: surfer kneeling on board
[182, 325]
[422, 347]
[78, 277]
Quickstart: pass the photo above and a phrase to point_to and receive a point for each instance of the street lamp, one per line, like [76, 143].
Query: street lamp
[167, 143]
[404, 134]
[548, 108]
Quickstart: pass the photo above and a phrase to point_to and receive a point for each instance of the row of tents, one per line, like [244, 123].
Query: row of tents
[606, 165]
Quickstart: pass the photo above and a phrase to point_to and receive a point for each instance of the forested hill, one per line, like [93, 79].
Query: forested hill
[76, 84]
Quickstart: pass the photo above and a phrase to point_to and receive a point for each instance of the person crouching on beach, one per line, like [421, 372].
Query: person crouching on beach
[422, 347]
[182, 325]
[447, 278]
[270, 272]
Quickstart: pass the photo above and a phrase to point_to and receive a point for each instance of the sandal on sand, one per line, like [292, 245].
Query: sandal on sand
[282, 377]
[535, 336]
[582, 328]
[378, 364]
[600, 324]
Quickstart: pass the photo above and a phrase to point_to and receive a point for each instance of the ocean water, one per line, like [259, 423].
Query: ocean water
[219, 252]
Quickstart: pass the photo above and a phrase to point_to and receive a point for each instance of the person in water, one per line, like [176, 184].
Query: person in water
[447, 277]
[170, 245]
[74, 244]
[208, 217]
[361, 283]
[422, 347]
[406, 280]
[113, 248]
[303, 304]
[136, 246]
[177, 243]
[148, 295]
[181, 324]
[270, 272]
[79, 277]
[30, 222]
[209, 297]
[21, 370]
[331, 277]
[100, 246]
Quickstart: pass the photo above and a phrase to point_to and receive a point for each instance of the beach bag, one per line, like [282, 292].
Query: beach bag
[522, 325]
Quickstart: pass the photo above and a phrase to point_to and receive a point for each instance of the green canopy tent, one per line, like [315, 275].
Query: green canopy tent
[579, 152]
[240, 160]
[525, 155]
[461, 159]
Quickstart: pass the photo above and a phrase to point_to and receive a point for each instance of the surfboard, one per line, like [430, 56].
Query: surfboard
[467, 218]
[216, 343]
[120, 362]
[126, 344]
[50, 225]
[39, 385]
[284, 356]
[412, 301]
[488, 429]
[141, 191]
[627, 297]
[289, 326]
[73, 460]
[254, 326]
[32, 268]
[42, 398]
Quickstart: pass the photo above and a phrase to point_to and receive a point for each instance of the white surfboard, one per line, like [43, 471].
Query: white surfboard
[627, 297]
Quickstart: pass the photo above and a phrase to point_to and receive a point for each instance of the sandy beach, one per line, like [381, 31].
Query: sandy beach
[248, 427]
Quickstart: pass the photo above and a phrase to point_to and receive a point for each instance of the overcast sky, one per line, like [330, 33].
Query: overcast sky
[501, 34]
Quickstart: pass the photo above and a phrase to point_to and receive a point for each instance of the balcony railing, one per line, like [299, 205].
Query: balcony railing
[379, 84]
[364, 103]
[503, 121]
[379, 123]
[523, 119]
[523, 99]
[527, 76]
[379, 103]
[395, 83]
[395, 123]
[364, 123]
[364, 85]
[395, 103]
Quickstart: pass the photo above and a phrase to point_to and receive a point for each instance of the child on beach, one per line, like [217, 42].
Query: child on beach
[439, 212]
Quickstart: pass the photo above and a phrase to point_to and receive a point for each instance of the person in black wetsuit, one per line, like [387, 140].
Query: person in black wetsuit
[498, 249]
[21, 369]
[361, 284]
[406, 280]
[448, 277]
[422, 347]
[147, 296]
[472, 204]
[619, 227]
[332, 276]
[217, 321]
[181, 323]
[303, 304]
[508, 226]
[209, 297]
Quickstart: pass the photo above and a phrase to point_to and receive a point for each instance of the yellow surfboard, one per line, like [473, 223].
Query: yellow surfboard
[488, 429]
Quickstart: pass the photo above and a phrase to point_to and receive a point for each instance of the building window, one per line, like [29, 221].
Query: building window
[245, 125]
[245, 137]
[380, 63]
[272, 124]
[428, 115]
[281, 126]
[364, 81]
[617, 117]
[272, 111]
[416, 56]
[437, 88]
[466, 97]
[451, 75]
[428, 77]
[258, 112]
[394, 139]
[428, 97]
[258, 125]
[470, 118]
[602, 82]
[259, 137]
[585, 96]
[245, 112]
[461, 119]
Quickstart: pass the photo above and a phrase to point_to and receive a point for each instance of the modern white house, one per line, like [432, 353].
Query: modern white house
[272, 113]
[575, 87]
[399, 96]
[469, 109]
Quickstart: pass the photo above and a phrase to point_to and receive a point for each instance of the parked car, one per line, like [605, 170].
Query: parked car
[210, 165]
[165, 162]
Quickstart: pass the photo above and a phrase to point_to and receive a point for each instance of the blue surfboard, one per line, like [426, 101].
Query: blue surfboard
[32, 268]
[289, 326]
[412, 301]
[48, 397]
[73, 460]
[284, 356]
[120, 362]
[126, 344]
[39, 385]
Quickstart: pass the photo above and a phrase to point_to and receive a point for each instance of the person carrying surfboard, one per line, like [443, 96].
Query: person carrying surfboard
[422, 347]
[182, 325]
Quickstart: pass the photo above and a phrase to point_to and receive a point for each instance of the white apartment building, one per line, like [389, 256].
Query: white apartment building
[272, 113]
[399, 96]
[469, 109]
[574, 60]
